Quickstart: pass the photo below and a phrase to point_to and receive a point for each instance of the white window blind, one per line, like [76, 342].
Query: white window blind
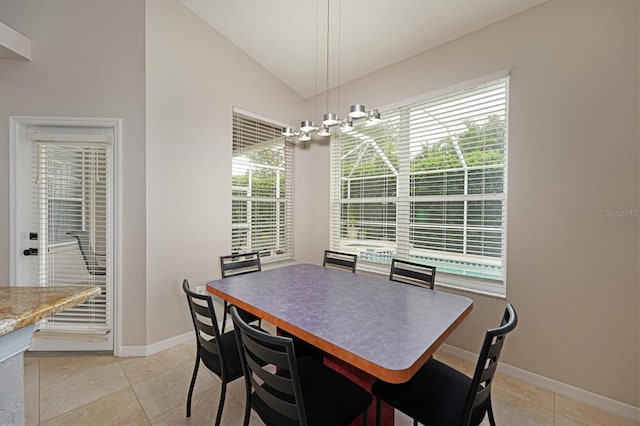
[262, 189]
[70, 212]
[427, 184]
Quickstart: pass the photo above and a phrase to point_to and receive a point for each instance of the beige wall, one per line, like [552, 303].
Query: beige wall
[194, 78]
[573, 156]
[88, 61]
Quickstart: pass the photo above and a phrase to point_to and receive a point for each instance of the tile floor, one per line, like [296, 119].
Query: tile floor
[105, 390]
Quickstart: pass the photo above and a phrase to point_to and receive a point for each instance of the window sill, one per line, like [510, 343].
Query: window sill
[443, 280]
[278, 264]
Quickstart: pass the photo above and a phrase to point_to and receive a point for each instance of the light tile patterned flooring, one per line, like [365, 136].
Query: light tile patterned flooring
[105, 390]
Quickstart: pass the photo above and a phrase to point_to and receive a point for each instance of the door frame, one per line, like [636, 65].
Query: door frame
[17, 130]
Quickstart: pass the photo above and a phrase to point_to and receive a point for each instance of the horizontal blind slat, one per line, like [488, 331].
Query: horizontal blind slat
[262, 189]
[441, 164]
[71, 192]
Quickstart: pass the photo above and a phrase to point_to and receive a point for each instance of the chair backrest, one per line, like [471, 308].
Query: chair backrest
[480, 391]
[277, 388]
[340, 260]
[205, 324]
[88, 255]
[238, 264]
[412, 273]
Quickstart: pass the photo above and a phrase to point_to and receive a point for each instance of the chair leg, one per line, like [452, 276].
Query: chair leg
[492, 420]
[224, 317]
[193, 382]
[378, 411]
[247, 408]
[223, 391]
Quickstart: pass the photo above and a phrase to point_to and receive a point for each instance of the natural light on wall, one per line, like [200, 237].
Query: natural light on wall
[428, 184]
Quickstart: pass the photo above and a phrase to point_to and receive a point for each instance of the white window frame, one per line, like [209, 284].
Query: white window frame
[479, 285]
[285, 201]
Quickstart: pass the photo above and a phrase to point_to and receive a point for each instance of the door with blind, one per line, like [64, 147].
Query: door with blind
[64, 228]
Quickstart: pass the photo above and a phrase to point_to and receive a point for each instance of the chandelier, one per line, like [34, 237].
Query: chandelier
[329, 119]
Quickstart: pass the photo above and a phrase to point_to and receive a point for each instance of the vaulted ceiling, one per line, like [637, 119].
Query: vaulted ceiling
[289, 37]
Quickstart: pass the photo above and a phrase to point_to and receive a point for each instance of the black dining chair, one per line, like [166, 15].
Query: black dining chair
[292, 390]
[440, 395]
[304, 348]
[412, 273]
[238, 264]
[218, 352]
[339, 260]
[95, 262]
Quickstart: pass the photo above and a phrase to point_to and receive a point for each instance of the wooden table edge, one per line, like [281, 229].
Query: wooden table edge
[388, 375]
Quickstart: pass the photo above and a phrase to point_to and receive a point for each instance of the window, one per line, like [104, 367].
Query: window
[262, 189]
[427, 184]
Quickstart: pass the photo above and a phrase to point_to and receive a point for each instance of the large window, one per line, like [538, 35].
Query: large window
[427, 184]
[262, 189]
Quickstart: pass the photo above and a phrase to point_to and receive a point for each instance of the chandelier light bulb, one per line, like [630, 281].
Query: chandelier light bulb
[304, 136]
[373, 118]
[347, 125]
[323, 130]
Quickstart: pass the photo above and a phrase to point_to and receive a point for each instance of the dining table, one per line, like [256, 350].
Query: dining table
[368, 327]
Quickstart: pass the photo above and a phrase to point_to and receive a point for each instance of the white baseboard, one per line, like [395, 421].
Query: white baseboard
[156, 347]
[598, 401]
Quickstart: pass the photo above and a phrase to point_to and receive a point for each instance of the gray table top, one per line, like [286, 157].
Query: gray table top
[385, 328]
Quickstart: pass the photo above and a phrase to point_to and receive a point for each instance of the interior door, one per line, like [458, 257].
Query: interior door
[64, 227]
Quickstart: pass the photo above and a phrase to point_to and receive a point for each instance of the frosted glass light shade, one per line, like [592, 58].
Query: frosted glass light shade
[307, 126]
[357, 111]
[330, 119]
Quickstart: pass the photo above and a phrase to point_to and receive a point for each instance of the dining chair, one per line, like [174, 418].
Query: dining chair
[290, 390]
[304, 348]
[441, 395]
[218, 352]
[95, 262]
[238, 264]
[336, 259]
[412, 273]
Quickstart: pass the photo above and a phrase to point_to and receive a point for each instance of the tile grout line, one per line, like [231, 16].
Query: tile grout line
[557, 418]
[80, 406]
[126, 376]
[146, 415]
[190, 364]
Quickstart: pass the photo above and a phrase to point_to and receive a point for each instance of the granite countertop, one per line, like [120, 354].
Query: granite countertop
[21, 306]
